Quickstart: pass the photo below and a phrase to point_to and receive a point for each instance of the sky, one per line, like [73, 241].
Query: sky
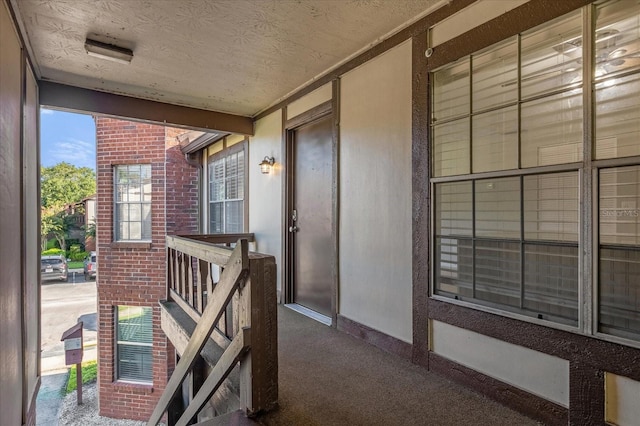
[67, 137]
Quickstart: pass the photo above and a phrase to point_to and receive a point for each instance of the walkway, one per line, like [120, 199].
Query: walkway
[329, 378]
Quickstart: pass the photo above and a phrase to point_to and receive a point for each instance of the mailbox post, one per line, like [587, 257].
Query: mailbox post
[72, 339]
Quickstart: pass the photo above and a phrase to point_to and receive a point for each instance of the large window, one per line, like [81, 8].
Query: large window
[226, 172]
[512, 157]
[132, 217]
[134, 341]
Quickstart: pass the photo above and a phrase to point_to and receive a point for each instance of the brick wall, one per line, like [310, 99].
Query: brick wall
[135, 273]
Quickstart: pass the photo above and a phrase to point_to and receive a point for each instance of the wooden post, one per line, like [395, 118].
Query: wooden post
[258, 310]
[79, 382]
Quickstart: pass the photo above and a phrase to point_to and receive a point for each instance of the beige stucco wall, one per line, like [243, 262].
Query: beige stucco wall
[375, 194]
[541, 374]
[313, 99]
[621, 400]
[265, 191]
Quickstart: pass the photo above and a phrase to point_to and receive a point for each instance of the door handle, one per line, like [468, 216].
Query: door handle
[293, 228]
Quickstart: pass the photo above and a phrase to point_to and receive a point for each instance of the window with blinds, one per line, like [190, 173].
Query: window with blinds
[134, 343]
[512, 153]
[226, 191]
[132, 212]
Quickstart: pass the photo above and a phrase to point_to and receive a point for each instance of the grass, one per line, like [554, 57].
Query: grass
[75, 264]
[89, 375]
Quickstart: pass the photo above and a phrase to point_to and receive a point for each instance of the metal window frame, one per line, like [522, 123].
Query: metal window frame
[588, 170]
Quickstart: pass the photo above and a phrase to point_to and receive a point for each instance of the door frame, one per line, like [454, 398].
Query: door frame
[328, 108]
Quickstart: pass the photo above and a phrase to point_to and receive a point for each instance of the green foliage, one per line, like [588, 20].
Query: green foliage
[65, 184]
[61, 185]
[89, 375]
[76, 252]
[53, 251]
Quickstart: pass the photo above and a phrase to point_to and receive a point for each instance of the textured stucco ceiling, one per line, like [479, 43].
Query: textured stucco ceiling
[236, 56]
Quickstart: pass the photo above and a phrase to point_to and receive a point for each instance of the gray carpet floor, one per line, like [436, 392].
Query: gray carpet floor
[327, 377]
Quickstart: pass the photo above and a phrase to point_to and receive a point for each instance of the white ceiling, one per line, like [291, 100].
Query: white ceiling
[236, 56]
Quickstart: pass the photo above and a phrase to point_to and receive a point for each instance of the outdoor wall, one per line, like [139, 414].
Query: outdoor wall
[305, 103]
[134, 273]
[19, 285]
[265, 191]
[621, 399]
[543, 375]
[375, 194]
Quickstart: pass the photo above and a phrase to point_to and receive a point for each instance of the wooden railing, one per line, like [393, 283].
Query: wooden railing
[221, 318]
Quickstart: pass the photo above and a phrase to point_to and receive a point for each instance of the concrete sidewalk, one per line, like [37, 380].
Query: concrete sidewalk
[54, 382]
[49, 400]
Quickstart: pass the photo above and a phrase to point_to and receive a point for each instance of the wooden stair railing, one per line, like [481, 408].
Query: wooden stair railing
[248, 280]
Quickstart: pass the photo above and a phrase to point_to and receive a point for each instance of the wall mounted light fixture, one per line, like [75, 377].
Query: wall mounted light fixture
[110, 52]
[267, 164]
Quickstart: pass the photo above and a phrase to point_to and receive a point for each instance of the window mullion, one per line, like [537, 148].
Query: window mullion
[587, 283]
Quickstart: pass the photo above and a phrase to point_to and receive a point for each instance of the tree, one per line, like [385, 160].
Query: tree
[61, 185]
[64, 184]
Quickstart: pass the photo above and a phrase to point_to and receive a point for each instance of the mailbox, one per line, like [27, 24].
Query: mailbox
[72, 339]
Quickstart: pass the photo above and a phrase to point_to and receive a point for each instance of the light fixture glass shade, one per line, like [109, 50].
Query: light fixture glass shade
[266, 164]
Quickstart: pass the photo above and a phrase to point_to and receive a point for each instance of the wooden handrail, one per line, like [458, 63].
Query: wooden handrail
[235, 271]
[222, 301]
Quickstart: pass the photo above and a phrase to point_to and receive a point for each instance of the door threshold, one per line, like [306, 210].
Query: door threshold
[309, 313]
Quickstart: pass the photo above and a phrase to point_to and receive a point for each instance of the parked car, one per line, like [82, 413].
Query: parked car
[90, 266]
[54, 267]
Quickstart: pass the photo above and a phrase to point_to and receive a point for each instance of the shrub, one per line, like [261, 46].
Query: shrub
[53, 251]
[75, 253]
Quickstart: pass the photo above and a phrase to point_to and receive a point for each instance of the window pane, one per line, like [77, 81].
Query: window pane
[451, 91]
[552, 130]
[495, 76]
[135, 363]
[121, 193]
[135, 212]
[619, 310]
[122, 212]
[451, 148]
[146, 222]
[232, 177]
[454, 209]
[620, 206]
[234, 216]
[498, 272]
[134, 324]
[123, 231]
[135, 230]
[495, 140]
[618, 117]
[240, 175]
[216, 224]
[454, 266]
[134, 193]
[498, 208]
[617, 38]
[551, 280]
[552, 56]
[551, 207]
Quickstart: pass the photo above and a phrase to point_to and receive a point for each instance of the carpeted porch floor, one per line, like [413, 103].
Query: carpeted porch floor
[327, 377]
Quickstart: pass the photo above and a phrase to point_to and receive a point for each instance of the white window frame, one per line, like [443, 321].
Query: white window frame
[119, 343]
[142, 203]
[218, 151]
